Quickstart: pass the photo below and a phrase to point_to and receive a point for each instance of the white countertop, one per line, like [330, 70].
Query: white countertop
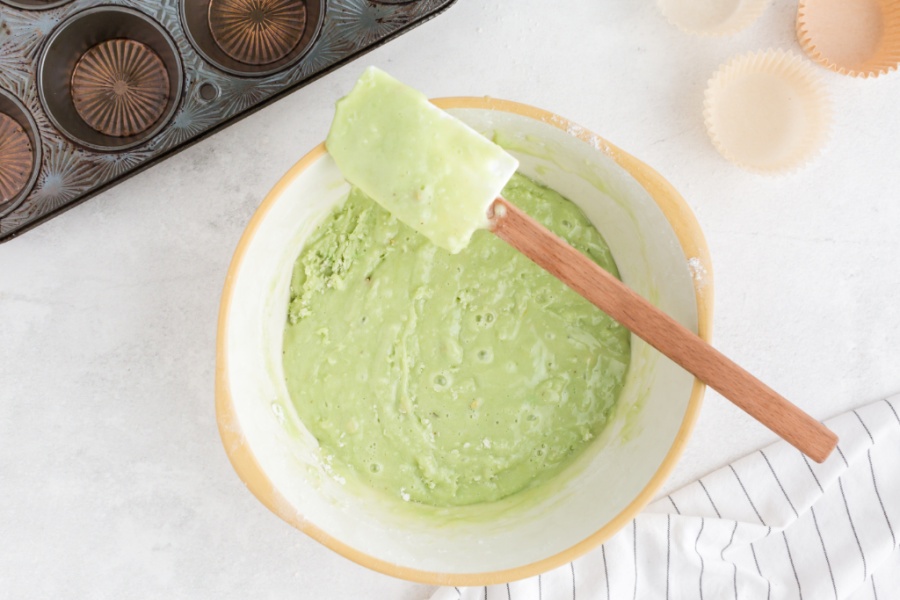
[113, 482]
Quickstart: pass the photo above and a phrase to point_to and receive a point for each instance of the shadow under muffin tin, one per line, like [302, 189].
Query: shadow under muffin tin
[92, 92]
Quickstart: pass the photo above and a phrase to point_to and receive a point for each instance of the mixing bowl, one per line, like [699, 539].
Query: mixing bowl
[661, 253]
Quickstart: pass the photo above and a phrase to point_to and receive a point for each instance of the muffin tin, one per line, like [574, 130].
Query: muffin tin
[92, 92]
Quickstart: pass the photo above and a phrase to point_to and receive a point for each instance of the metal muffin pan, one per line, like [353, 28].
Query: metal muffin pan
[102, 90]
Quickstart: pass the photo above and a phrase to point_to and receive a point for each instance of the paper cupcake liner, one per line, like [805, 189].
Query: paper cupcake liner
[712, 18]
[860, 38]
[767, 111]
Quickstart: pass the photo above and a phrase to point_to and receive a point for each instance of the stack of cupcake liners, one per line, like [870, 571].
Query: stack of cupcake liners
[769, 111]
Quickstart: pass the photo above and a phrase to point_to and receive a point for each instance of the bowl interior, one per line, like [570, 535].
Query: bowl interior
[530, 531]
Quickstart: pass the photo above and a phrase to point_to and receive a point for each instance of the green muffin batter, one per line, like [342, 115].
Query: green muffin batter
[448, 379]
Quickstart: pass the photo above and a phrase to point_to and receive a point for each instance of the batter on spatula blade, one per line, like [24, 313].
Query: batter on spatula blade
[430, 170]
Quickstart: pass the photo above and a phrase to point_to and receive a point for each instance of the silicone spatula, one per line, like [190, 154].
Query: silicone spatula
[442, 178]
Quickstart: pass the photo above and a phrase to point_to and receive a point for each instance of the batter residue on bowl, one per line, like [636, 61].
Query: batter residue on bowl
[448, 379]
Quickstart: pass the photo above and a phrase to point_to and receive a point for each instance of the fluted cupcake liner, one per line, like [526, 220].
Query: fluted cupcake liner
[860, 38]
[767, 111]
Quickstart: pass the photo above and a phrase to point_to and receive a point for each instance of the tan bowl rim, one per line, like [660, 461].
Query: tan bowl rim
[692, 241]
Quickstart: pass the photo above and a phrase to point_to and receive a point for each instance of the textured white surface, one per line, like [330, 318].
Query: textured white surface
[113, 482]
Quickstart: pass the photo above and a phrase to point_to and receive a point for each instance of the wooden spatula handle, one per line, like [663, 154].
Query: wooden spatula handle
[660, 330]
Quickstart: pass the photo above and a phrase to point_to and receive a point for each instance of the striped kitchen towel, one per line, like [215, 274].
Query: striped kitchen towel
[772, 525]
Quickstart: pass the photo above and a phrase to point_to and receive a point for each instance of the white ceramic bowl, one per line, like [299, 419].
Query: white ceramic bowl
[660, 252]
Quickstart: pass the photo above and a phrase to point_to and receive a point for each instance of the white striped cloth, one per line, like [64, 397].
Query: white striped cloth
[772, 525]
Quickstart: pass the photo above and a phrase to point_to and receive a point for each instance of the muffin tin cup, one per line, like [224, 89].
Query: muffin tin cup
[19, 116]
[860, 38]
[232, 48]
[79, 36]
